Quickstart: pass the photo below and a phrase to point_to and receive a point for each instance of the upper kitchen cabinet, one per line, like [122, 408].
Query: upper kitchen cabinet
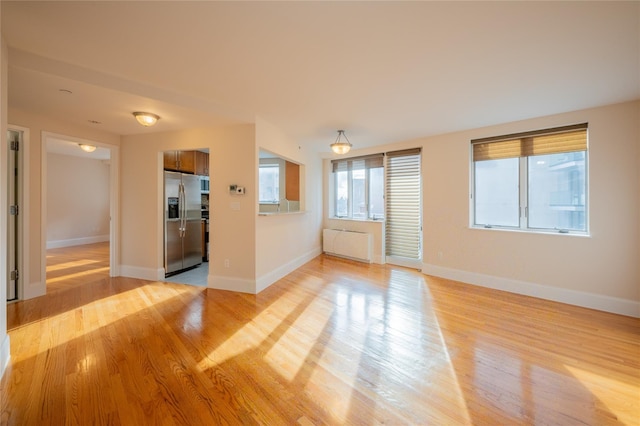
[180, 161]
[292, 181]
[202, 163]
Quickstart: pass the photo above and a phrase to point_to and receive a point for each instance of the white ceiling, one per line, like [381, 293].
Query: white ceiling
[383, 71]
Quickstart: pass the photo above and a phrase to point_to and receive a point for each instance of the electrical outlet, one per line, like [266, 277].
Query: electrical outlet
[226, 263]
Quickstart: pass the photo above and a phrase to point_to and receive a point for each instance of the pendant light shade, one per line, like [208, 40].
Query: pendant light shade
[341, 146]
[147, 119]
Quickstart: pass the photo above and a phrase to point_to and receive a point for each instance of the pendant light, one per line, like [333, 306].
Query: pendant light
[147, 119]
[340, 146]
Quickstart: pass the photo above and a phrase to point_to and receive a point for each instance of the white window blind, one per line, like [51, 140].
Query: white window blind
[403, 217]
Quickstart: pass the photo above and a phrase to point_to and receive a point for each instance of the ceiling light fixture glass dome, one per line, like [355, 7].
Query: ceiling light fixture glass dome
[339, 146]
[147, 119]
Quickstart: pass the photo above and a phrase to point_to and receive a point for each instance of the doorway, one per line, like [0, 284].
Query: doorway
[185, 216]
[79, 211]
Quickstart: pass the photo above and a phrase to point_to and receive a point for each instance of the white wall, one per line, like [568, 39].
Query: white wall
[232, 157]
[287, 241]
[77, 200]
[599, 271]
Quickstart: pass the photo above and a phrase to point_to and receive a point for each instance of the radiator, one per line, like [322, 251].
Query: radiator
[350, 244]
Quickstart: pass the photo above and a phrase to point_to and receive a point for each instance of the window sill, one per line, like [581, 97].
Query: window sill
[532, 231]
[349, 219]
[282, 213]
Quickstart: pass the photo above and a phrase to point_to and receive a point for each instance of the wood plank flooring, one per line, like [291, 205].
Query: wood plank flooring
[69, 267]
[335, 342]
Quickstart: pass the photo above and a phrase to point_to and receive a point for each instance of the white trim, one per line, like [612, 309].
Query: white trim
[77, 241]
[35, 289]
[114, 211]
[5, 354]
[25, 211]
[572, 297]
[149, 274]
[232, 284]
[271, 277]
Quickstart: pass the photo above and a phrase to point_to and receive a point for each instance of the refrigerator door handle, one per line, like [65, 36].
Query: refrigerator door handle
[181, 209]
[184, 212]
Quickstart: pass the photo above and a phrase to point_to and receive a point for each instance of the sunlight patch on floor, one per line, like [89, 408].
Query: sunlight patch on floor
[303, 334]
[72, 264]
[251, 335]
[603, 388]
[81, 321]
[335, 377]
[77, 274]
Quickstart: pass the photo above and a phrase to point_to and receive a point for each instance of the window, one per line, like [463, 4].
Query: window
[359, 187]
[269, 183]
[531, 181]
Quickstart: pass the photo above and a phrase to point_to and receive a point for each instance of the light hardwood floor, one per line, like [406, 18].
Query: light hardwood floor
[69, 267]
[335, 342]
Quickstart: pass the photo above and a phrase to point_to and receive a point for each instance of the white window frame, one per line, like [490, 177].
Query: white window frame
[367, 189]
[270, 165]
[523, 185]
[367, 182]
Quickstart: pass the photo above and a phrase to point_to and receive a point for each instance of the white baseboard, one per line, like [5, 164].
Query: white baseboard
[150, 274]
[271, 277]
[231, 284]
[572, 297]
[5, 355]
[77, 241]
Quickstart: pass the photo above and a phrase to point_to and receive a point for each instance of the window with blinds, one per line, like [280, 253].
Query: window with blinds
[403, 215]
[531, 181]
[359, 187]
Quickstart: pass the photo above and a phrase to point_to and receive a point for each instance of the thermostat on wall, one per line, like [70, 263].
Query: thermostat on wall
[236, 189]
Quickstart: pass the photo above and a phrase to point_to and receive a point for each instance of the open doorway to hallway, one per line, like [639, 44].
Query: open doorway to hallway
[78, 197]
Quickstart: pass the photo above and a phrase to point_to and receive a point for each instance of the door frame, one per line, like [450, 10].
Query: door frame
[114, 203]
[22, 231]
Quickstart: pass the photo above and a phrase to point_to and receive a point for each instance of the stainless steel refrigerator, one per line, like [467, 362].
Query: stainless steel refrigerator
[183, 222]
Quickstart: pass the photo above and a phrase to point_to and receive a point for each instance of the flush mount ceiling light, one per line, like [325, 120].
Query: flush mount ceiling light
[86, 148]
[340, 146]
[147, 119]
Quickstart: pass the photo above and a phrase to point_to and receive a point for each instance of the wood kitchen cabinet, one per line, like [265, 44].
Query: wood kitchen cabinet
[202, 163]
[292, 174]
[180, 161]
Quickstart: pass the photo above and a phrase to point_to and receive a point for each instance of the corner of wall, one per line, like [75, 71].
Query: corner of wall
[271, 277]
